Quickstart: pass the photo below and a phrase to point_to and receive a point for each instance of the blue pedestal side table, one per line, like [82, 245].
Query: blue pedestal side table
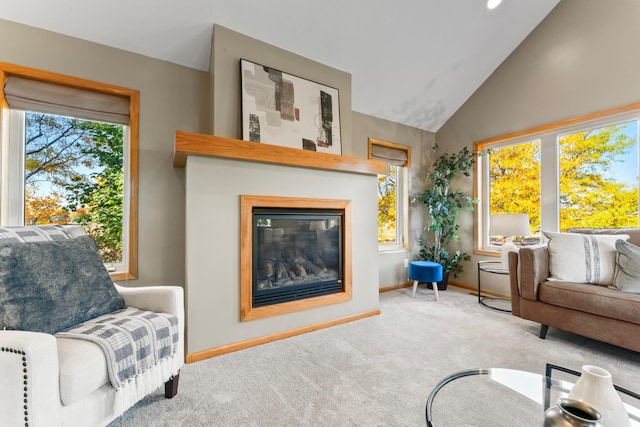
[425, 271]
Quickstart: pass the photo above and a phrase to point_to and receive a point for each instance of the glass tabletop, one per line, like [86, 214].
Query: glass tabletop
[493, 267]
[505, 397]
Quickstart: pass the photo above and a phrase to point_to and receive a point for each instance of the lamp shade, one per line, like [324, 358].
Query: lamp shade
[509, 225]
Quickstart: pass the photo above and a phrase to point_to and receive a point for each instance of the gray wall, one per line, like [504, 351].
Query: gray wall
[583, 58]
[171, 97]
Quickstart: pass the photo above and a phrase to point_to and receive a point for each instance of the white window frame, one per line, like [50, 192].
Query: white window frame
[549, 136]
[12, 202]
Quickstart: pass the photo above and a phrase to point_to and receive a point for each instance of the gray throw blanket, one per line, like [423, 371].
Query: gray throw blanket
[133, 340]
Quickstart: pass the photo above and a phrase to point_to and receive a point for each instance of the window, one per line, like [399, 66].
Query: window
[392, 193]
[69, 155]
[388, 206]
[578, 173]
[599, 177]
[514, 182]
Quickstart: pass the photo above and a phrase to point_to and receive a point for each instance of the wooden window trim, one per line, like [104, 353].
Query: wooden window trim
[6, 70]
[539, 130]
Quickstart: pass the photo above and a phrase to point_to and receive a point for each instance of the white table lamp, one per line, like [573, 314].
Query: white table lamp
[507, 226]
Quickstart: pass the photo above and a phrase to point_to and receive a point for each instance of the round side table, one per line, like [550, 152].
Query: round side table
[492, 267]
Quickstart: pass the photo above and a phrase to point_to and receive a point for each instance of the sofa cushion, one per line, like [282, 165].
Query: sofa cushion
[582, 258]
[627, 276]
[598, 300]
[83, 369]
[47, 286]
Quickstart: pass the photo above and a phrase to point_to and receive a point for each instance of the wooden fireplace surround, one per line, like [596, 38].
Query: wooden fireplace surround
[247, 203]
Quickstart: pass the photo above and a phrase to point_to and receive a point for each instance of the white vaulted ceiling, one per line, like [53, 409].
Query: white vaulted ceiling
[413, 62]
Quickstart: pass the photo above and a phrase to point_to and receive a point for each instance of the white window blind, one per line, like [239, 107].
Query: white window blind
[42, 97]
[392, 155]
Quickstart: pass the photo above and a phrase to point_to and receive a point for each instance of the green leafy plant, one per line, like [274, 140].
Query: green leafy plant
[443, 206]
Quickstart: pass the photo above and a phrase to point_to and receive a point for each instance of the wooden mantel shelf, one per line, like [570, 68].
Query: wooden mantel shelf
[190, 144]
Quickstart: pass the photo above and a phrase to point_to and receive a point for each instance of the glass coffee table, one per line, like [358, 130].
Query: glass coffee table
[506, 397]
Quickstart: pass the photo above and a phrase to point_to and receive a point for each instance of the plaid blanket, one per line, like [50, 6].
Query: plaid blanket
[133, 340]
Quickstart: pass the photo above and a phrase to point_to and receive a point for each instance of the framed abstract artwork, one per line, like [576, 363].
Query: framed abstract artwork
[282, 109]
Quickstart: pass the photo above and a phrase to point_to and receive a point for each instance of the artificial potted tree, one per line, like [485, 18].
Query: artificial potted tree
[443, 205]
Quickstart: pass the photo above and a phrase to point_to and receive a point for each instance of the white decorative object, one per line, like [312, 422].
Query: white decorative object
[595, 387]
[508, 226]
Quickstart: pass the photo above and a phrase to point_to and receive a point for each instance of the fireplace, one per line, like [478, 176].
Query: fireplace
[297, 254]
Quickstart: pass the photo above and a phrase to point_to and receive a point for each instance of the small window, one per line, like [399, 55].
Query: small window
[388, 206]
[392, 193]
[514, 186]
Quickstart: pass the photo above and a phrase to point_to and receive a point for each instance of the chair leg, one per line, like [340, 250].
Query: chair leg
[543, 331]
[434, 285]
[415, 286]
[171, 386]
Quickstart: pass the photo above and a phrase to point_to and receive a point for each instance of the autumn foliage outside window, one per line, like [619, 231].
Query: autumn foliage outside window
[387, 207]
[599, 177]
[74, 174]
[514, 174]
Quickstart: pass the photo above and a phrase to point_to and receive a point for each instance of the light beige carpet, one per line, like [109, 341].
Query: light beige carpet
[377, 371]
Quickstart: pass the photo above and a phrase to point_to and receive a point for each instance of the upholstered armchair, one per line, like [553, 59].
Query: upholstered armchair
[54, 371]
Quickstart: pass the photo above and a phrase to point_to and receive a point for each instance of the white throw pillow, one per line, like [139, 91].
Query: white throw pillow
[583, 258]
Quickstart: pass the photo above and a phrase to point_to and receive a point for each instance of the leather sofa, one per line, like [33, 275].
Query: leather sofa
[48, 380]
[599, 312]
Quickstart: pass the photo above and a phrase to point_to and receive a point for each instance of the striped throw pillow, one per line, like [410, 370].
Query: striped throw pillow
[582, 258]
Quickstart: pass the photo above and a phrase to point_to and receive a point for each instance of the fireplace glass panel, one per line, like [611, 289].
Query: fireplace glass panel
[297, 254]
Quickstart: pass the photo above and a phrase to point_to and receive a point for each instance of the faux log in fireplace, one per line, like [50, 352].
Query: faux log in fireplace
[295, 254]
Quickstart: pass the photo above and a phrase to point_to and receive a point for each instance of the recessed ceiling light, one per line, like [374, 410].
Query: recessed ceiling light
[492, 4]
